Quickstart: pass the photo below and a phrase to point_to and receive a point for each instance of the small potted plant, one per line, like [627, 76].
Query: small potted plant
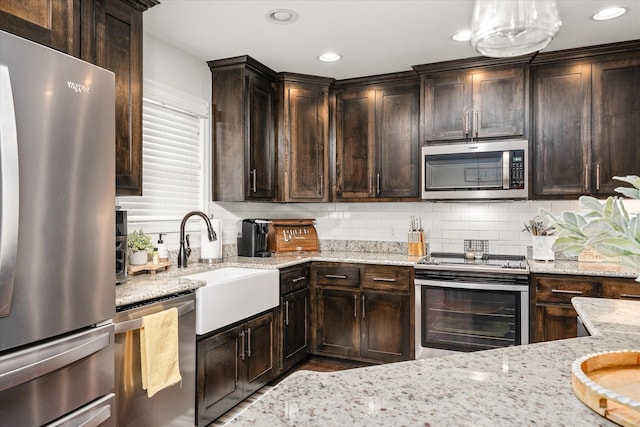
[139, 245]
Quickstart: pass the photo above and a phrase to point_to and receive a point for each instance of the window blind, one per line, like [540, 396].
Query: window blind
[172, 153]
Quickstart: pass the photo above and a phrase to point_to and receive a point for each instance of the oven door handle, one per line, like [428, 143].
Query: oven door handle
[472, 285]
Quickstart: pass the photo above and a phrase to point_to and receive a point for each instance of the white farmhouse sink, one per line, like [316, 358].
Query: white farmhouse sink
[232, 294]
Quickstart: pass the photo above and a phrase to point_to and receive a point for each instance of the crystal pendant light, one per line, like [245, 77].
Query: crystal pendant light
[505, 28]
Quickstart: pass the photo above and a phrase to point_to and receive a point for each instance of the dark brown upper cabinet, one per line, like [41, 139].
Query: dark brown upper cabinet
[377, 142]
[107, 33]
[586, 120]
[244, 154]
[473, 99]
[303, 138]
[53, 23]
[117, 46]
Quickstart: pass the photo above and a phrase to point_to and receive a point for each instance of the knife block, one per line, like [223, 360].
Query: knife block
[416, 246]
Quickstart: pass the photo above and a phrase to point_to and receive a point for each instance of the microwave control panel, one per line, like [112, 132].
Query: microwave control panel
[517, 169]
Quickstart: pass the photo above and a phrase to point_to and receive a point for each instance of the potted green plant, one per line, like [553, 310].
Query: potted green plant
[607, 227]
[139, 245]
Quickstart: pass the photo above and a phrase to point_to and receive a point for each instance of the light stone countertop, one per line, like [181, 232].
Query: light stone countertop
[581, 268]
[602, 316]
[516, 386]
[144, 287]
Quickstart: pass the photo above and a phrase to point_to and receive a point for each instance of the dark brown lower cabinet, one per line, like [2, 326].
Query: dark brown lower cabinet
[552, 316]
[368, 325]
[232, 364]
[294, 314]
[555, 322]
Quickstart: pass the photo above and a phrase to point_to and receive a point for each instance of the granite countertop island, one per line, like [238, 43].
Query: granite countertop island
[515, 386]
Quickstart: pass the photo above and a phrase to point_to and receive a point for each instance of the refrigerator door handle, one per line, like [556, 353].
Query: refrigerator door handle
[9, 192]
[19, 370]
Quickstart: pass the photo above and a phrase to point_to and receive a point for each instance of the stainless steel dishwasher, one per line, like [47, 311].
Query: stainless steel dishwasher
[173, 406]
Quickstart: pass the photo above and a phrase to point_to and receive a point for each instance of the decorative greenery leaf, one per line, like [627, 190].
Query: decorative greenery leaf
[630, 179]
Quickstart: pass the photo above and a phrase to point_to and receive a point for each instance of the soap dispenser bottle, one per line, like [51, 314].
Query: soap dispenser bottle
[163, 252]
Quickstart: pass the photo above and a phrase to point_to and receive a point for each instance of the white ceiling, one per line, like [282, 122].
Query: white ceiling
[375, 37]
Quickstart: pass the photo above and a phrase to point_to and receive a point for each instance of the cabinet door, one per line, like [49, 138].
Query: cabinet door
[386, 327]
[295, 327]
[53, 23]
[555, 322]
[621, 289]
[308, 130]
[447, 107]
[498, 103]
[616, 121]
[355, 145]
[338, 331]
[259, 352]
[219, 387]
[562, 132]
[261, 139]
[118, 48]
[397, 142]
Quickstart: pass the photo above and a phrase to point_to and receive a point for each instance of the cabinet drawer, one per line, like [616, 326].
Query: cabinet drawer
[293, 279]
[338, 275]
[386, 277]
[621, 289]
[561, 290]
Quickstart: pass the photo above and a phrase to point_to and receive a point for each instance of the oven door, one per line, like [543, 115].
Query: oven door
[470, 316]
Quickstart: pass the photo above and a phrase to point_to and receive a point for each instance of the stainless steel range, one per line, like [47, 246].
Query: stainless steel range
[472, 304]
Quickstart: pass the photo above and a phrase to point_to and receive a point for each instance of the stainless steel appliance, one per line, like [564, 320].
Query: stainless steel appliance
[175, 405]
[470, 304]
[485, 170]
[253, 241]
[121, 246]
[57, 176]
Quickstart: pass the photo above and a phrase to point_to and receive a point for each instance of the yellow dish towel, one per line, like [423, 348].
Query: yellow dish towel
[159, 347]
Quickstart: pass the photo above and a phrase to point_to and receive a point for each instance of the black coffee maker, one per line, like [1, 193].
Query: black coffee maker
[253, 241]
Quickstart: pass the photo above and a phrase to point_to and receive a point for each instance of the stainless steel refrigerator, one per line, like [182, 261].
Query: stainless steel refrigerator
[57, 239]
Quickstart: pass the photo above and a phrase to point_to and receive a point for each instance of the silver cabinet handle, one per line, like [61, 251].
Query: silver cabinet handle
[383, 279]
[252, 176]
[364, 302]
[355, 306]
[248, 342]
[465, 120]
[629, 296]
[336, 276]
[370, 183]
[297, 279]
[321, 184]
[9, 192]
[563, 291]
[586, 176]
[241, 335]
[476, 121]
[378, 183]
[597, 176]
[286, 313]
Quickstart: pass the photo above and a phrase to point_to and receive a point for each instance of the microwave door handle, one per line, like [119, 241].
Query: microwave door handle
[9, 192]
[506, 169]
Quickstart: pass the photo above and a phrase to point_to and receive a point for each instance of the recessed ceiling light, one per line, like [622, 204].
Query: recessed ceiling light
[330, 57]
[461, 36]
[282, 16]
[609, 13]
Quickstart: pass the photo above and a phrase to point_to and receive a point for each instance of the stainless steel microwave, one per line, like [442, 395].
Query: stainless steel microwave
[478, 171]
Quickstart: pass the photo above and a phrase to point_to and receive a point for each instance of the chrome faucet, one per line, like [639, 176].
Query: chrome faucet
[183, 253]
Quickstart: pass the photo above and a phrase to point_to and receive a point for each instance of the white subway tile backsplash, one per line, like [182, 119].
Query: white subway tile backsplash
[446, 225]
